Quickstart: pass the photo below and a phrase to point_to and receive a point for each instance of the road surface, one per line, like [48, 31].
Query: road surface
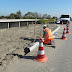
[59, 59]
[62, 61]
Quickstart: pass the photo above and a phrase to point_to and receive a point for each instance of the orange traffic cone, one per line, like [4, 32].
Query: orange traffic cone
[67, 23]
[64, 35]
[62, 22]
[67, 32]
[41, 54]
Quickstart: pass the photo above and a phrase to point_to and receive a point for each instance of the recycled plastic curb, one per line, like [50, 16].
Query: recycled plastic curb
[33, 46]
[56, 29]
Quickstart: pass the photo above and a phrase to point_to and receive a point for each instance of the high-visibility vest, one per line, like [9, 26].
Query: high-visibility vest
[48, 34]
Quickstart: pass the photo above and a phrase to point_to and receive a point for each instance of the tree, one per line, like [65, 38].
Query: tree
[49, 16]
[44, 16]
[36, 15]
[39, 16]
[54, 17]
[1, 17]
[12, 16]
[29, 15]
[32, 15]
[18, 15]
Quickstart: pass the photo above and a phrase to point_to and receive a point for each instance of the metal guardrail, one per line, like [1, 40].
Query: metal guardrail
[7, 23]
[17, 20]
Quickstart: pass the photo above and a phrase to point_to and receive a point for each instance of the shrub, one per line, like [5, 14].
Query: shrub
[51, 20]
[42, 21]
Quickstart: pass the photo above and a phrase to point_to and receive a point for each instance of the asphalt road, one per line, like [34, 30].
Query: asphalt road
[59, 59]
[62, 59]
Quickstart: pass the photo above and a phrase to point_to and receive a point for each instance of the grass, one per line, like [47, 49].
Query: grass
[51, 20]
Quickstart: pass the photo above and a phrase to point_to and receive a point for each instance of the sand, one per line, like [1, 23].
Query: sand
[14, 40]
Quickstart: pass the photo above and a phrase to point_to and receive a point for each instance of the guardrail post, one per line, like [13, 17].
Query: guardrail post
[32, 22]
[19, 24]
[27, 24]
[8, 26]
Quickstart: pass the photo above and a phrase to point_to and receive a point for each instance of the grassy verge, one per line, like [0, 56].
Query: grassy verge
[51, 20]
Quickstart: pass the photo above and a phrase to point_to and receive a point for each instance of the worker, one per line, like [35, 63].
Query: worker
[47, 35]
